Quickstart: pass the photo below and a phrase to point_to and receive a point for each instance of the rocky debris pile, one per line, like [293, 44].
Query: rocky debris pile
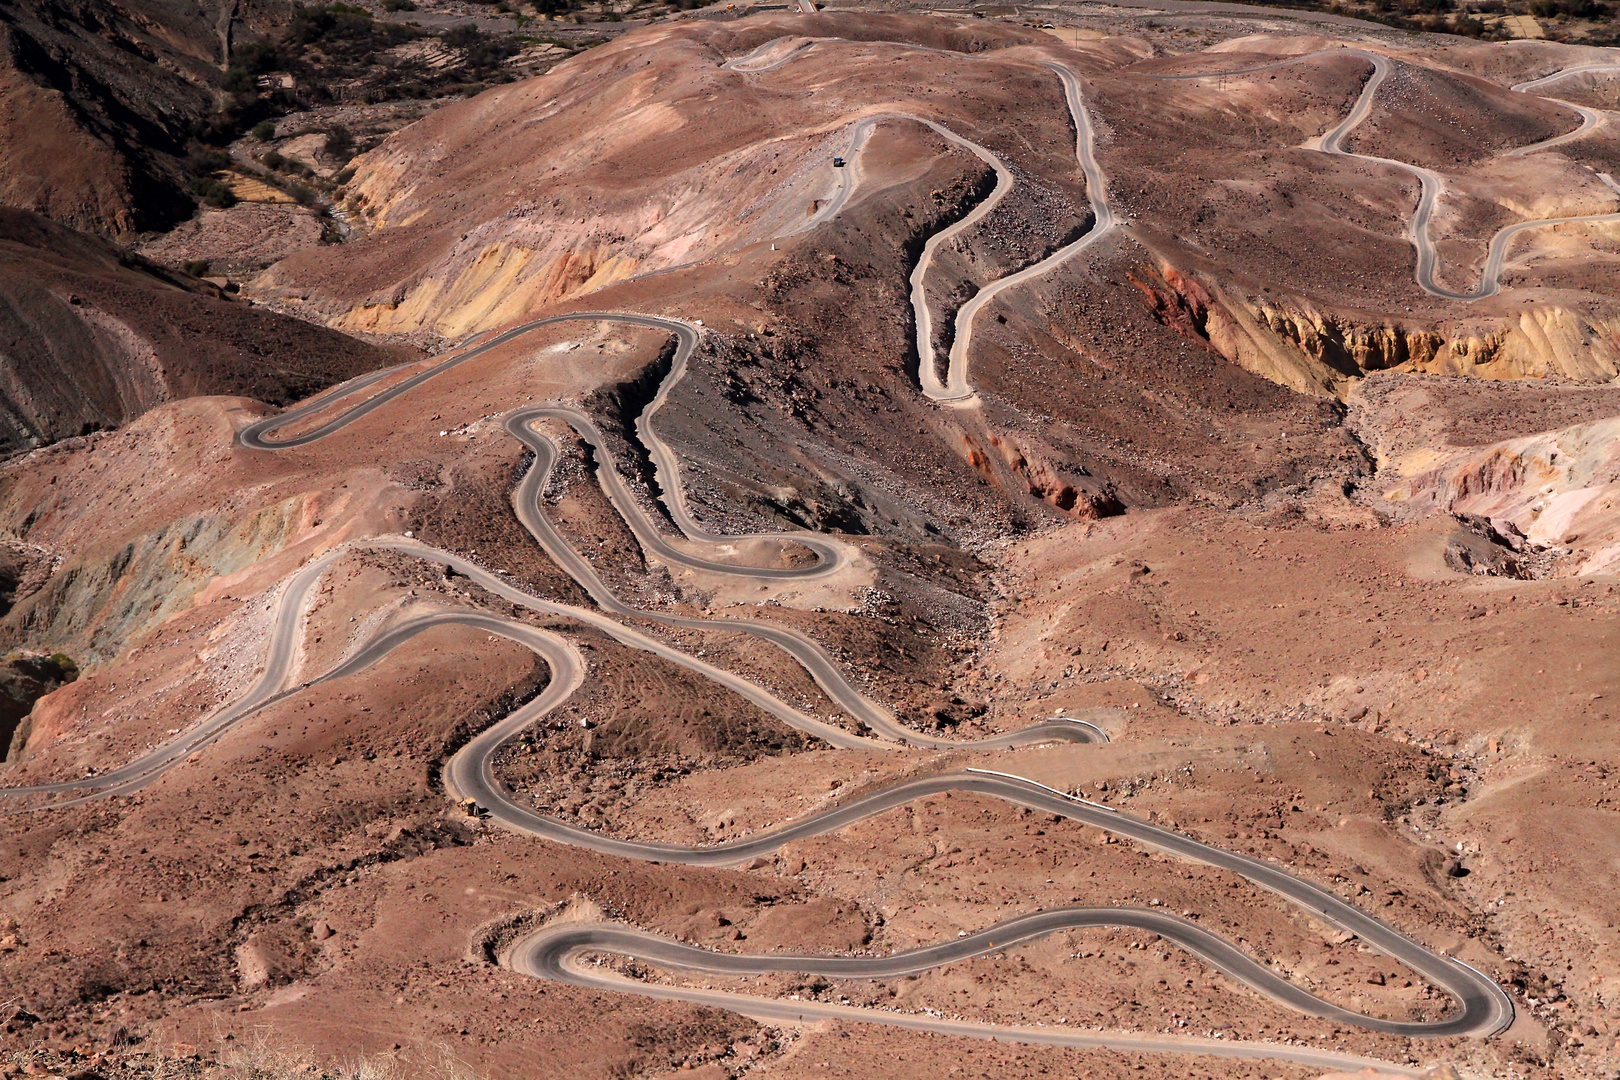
[25, 677]
[1496, 547]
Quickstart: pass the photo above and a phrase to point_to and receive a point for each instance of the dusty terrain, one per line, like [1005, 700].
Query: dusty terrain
[1329, 557]
[91, 338]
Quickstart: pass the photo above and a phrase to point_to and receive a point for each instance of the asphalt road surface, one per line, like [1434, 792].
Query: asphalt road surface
[280, 655]
[1483, 1009]
[810, 656]
[957, 387]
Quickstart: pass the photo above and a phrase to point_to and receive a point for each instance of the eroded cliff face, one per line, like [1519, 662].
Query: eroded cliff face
[97, 101]
[1559, 489]
[25, 678]
[494, 283]
[1066, 487]
[97, 602]
[181, 517]
[1297, 343]
[1556, 491]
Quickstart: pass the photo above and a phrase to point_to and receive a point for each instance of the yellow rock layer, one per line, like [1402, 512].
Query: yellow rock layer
[503, 284]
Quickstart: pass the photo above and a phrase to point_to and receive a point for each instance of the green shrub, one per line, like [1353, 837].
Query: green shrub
[206, 160]
[339, 142]
[264, 130]
[312, 24]
[345, 176]
[248, 62]
[480, 50]
[196, 267]
[213, 192]
[1575, 9]
[260, 58]
[241, 81]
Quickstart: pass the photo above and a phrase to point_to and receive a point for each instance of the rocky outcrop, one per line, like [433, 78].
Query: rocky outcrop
[1071, 489]
[97, 101]
[25, 678]
[1295, 342]
[98, 602]
[491, 285]
[1557, 489]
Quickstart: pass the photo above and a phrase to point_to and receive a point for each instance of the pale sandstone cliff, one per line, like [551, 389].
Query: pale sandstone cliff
[1297, 343]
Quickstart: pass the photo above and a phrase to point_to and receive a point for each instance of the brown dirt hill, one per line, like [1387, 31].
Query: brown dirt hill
[96, 102]
[1293, 263]
[619, 163]
[554, 188]
[1297, 264]
[90, 339]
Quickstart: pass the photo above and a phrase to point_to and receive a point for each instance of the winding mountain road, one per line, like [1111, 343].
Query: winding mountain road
[1483, 1008]
[810, 656]
[281, 653]
[1564, 73]
[554, 951]
[1590, 118]
[1430, 182]
[954, 389]
[469, 773]
[957, 390]
[556, 957]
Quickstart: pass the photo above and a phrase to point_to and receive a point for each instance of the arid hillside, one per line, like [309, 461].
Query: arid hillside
[935, 544]
[1303, 256]
[120, 118]
[90, 339]
[98, 102]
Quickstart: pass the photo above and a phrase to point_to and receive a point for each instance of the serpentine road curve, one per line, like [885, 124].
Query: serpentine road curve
[258, 436]
[809, 655]
[553, 951]
[1590, 118]
[806, 652]
[1483, 1008]
[555, 957]
[957, 389]
[1430, 182]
